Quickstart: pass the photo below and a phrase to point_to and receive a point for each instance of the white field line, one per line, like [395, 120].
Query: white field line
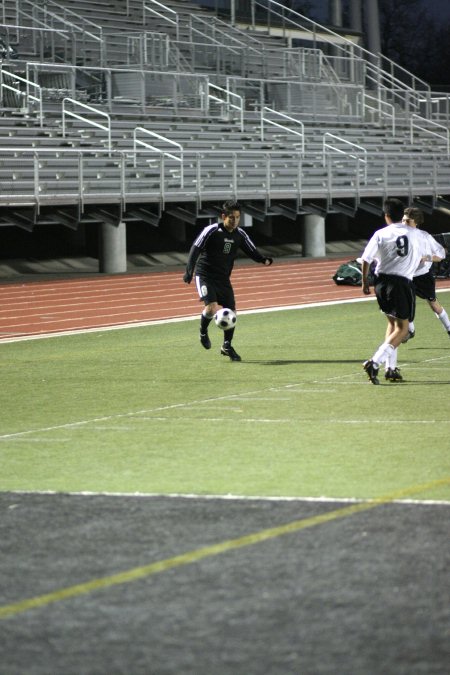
[7, 337]
[159, 322]
[253, 395]
[227, 497]
[107, 418]
[20, 436]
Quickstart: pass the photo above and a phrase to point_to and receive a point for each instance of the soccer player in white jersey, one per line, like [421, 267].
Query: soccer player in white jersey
[399, 250]
[212, 257]
[424, 281]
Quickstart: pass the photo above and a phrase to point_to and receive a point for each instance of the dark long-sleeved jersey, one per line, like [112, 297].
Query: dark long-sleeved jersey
[213, 253]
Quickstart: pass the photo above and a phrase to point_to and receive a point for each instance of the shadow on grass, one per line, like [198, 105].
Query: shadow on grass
[425, 384]
[290, 362]
[430, 348]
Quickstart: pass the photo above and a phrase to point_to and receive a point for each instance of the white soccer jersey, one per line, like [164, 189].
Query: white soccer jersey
[398, 249]
[433, 248]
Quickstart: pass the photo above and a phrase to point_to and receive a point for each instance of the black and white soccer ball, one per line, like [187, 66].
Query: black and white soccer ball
[225, 318]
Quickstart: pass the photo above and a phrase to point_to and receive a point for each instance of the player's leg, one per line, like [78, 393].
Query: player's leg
[411, 332]
[396, 299]
[441, 314]
[226, 299]
[391, 372]
[207, 294]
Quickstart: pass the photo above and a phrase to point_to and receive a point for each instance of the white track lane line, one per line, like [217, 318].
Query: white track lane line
[227, 497]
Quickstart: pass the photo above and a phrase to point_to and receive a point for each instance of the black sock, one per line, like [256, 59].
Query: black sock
[228, 335]
[204, 323]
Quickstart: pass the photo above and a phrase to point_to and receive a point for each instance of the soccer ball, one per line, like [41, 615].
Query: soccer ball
[225, 318]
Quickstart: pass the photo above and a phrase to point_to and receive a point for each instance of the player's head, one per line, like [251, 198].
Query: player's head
[393, 209]
[231, 214]
[230, 206]
[413, 214]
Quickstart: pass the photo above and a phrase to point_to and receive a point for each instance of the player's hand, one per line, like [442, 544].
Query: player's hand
[366, 288]
[268, 261]
[187, 277]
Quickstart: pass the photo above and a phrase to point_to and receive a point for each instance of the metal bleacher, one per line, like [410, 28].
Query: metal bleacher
[140, 107]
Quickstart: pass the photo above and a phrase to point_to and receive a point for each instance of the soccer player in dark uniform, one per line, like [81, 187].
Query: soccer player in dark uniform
[212, 257]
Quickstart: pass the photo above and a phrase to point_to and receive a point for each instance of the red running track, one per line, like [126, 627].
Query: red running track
[46, 307]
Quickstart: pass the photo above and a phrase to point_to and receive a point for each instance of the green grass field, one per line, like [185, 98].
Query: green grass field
[148, 410]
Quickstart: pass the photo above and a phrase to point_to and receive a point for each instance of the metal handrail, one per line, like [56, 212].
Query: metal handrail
[180, 159]
[382, 67]
[389, 172]
[175, 22]
[328, 146]
[445, 137]
[26, 94]
[73, 26]
[281, 126]
[379, 104]
[229, 94]
[229, 33]
[200, 80]
[85, 119]
[336, 39]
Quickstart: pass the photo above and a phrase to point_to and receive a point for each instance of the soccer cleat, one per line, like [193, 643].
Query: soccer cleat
[227, 350]
[393, 375]
[448, 333]
[205, 341]
[411, 334]
[372, 371]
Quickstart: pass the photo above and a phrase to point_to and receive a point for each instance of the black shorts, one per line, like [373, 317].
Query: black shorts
[425, 286]
[214, 290]
[395, 296]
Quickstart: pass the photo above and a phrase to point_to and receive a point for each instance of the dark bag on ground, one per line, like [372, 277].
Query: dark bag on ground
[348, 274]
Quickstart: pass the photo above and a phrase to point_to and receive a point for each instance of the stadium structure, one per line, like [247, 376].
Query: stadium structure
[120, 112]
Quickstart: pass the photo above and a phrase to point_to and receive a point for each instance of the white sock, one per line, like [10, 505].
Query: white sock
[383, 352]
[443, 318]
[411, 327]
[391, 360]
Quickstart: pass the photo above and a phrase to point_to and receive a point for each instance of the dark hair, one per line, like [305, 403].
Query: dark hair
[415, 214]
[229, 206]
[393, 208]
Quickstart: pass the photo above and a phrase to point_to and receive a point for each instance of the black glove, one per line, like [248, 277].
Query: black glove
[268, 261]
[187, 277]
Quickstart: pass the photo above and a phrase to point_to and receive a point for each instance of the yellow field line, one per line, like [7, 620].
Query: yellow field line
[190, 557]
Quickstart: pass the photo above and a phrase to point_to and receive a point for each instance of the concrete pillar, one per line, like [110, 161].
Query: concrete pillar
[356, 15]
[313, 236]
[336, 13]
[247, 220]
[373, 27]
[113, 248]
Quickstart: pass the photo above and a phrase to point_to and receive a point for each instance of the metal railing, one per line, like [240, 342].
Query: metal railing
[286, 129]
[163, 12]
[86, 120]
[350, 149]
[67, 176]
[107, 82]
[315, 100]
[27, 98]
[226, 103]
[380, 71]
[214, 30]
[85, 32]
[148, 132]
[378, 109]
[141, 49]
[421, 124]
